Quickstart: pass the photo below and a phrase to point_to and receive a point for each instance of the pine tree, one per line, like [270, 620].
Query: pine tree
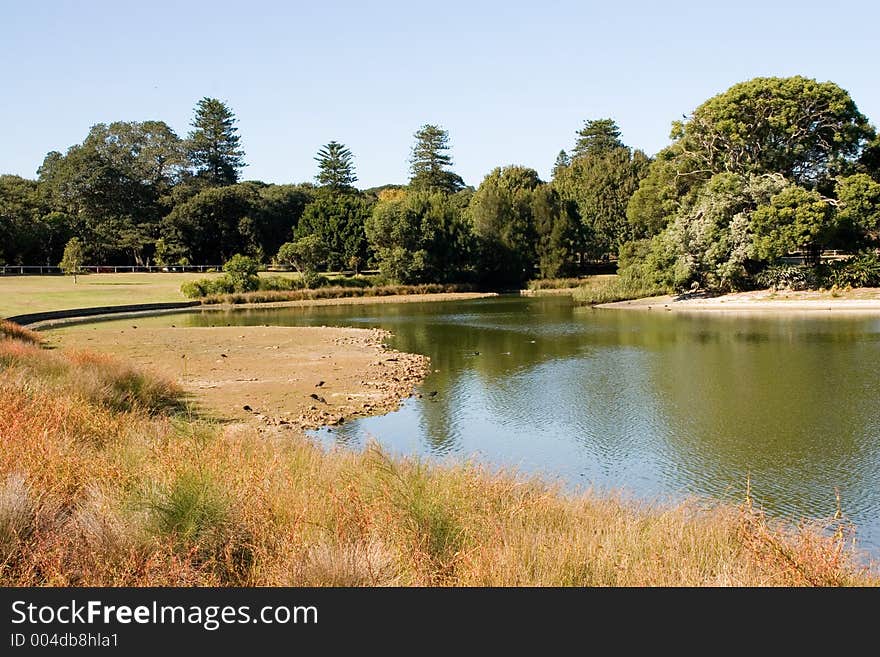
[429, 161]
[596, 138]
[335, 167]
[562, 161]
[214, 146]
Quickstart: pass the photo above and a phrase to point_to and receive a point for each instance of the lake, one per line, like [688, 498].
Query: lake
[660, 405]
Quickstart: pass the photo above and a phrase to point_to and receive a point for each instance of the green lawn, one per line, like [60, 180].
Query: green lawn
[33, 294]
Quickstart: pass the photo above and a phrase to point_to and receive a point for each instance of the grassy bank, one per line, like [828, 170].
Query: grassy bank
[31, 294]
[106, 479]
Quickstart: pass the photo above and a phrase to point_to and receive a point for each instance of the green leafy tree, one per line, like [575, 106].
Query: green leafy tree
[279, 209]
[421, 236]
[430, 161]
[798, 127]
[713, 239]
[336, 167]
[557, 231]
[212, 225]
[112, 187]
[599, 184]
[858, 199]
[214, 145]
[597, 137]
[795, 219]
[27, 233]
[338, 220]
[660, 194]
[869, 161]
[73, 258]
[562, 161]
[306, 254]
[168, 254]
[807, 131]
[504, 225]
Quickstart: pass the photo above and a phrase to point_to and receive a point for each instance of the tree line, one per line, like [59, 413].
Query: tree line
[767, 168]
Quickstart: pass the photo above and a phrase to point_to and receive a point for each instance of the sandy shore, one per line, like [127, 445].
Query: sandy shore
[864, 300]
[296, 377]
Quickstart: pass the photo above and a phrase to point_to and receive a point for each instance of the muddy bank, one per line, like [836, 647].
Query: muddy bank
[296, 377]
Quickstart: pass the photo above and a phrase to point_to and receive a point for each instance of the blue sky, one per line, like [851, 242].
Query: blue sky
[511, 81]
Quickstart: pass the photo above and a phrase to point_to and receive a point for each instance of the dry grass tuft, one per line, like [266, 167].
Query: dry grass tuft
[14, 331]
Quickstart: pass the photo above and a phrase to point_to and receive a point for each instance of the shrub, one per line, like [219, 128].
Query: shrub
[350, 281]
[16, 511]
[198, 288]
[96, 497]
[205, 287]
[241, 272]
[862, 270]
[96, 378]
[312, 280]
[280, 283]
[789, 277]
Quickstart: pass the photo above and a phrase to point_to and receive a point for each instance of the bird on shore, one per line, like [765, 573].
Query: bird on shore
[319, 384]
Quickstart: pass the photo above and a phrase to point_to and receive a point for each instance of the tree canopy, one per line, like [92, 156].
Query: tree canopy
[598, 184]
[335, 167]
[338, 220]
[798, 127]
[769, 169]
[214, 145]
[430, 161]
[520, 225]
[597, 137]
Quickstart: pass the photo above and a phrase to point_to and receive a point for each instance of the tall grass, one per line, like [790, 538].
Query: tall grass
[615, 288]
[554, 283]
[90, 377]
[98, 493]
[12, 330]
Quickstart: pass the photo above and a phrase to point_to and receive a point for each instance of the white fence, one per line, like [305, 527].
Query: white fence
[23, 270]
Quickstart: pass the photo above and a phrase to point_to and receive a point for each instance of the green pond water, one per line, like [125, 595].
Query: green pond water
[659, 405]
